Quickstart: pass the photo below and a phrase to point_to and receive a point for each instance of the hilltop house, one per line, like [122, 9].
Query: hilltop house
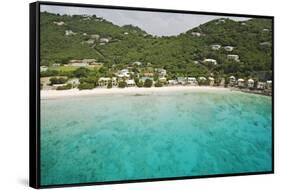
[197, 34]
[79, 64]
[126, 33]
[212, 61]
[123, 73]
[137, 63]
[192, 81]
[251, 83]
[43, 68]
[232, 80]
[241, 82]
[69, 32]
[60, 23]
[233, 57]
[268, 44]
[215, 47]
[104, 40]
[95, 36]
[130, 82]
[261, 85]
[211, 81]
[228, 48]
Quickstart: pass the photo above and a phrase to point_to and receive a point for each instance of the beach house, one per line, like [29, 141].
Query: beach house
[261, 85]
[162, 79]
[211, 81]
[182, 80]
[232, 80]
[104, 81]
[74, 82]
[241, 82]
[143, 79]
[172, 82]
[251, 83]
[192, 81]
[130, 82]
[269, 84]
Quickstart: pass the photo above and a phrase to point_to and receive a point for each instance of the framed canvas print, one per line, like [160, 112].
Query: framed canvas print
[121, 94]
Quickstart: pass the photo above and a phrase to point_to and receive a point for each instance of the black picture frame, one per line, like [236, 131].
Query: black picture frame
[34, 93]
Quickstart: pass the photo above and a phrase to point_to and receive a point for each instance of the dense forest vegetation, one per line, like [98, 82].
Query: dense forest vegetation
[181, 55]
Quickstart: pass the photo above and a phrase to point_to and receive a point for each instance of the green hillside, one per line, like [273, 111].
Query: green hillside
[180, 55]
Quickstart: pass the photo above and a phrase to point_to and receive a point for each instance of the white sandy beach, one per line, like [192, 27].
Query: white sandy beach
[50, 94]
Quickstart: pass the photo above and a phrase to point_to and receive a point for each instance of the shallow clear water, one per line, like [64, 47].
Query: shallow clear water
[126, 137]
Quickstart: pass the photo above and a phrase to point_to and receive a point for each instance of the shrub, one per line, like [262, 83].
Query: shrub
[148, 83]
[84, 86]
[139, 84]
[58, 80]
[122, 84]
[81, 72]
[109, 84]
[158, 84]
[65, 87]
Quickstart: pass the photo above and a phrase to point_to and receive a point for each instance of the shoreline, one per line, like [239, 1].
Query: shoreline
[52, 94]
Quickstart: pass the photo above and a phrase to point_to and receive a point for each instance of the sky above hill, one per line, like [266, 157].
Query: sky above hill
[155, 23]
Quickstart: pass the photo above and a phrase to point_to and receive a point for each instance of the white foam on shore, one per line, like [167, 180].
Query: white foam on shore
[50, 94]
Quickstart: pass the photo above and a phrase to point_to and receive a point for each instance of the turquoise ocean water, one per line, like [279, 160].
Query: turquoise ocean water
[127, 137]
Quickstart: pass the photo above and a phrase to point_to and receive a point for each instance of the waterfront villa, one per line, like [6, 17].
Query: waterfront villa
[202, 79]
[251, 83]
[241, 83]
